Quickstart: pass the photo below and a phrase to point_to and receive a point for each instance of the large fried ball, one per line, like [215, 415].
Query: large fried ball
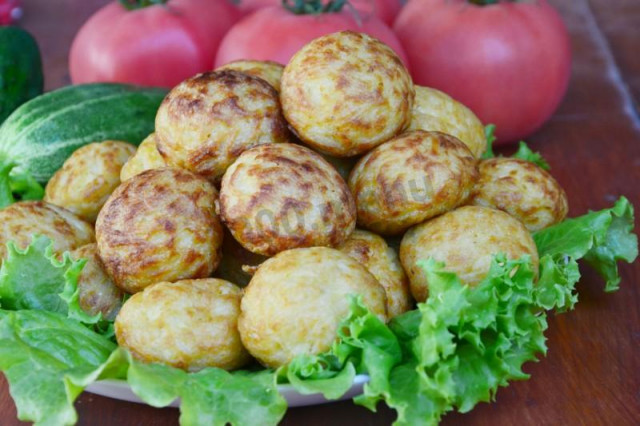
[205, 122]
[411, 178]
[146, 157]
[97, 292]
[22, 220]
[237, 264]
[281, 196]
[88, 177]
[466, 240]
[157, 226]
[188, 324]
[436, 111]
[345, 93]
[523, 190]
[382, 261]
[269, 71]
[296, 300]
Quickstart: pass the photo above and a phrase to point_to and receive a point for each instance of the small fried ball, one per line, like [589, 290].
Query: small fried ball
[345, 93]
[88, 177]
[281, 196]
[269, 71]
[436, 111]
[157, 226]
[297, 299]
[382, 261]
[466, 240]
[411, 178]
[146, 157]
[188, 324]
[21, 221]
[522, 189]
[207, 121]
[97, 292]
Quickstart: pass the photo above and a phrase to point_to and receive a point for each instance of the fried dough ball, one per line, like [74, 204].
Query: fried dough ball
[97, 292]
[466, 240]
[411, 178]
[382, 261]
[269, 71]
[237, 264]
[522, 189]
[22, 220]
[297, 299]
[146, 157]
[157, 226]
[345, 93]
[281, 196]
[205, 122]
[436, 111]
[88, 177]
[188, 324]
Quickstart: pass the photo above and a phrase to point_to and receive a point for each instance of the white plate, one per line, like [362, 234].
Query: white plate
[119, 389]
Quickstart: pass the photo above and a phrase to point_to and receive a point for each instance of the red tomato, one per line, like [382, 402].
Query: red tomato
[274, 33]
[509, 62]
[159, 45]
[387, 10]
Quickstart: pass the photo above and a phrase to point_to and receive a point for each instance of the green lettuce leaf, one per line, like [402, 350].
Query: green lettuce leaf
[489, 134]
[523, 153]
[211, 396]
[48, 359]
[34, 279]
[16, 184]
[602, 238]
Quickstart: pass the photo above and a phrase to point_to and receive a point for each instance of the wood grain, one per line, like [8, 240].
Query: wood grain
[591, 375]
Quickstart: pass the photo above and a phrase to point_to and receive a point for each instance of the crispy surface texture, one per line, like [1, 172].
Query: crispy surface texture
[281, 196]
[88, 177]
[436, 111]
[207, 121]
[345, 93]
[465, 239]
[411, 178]
[160, 225]
[296, 300]
[146, 157]
[97, 293]
[373, 252]
[269, 71]
[522, 189]
[24, 219]
[188, 324]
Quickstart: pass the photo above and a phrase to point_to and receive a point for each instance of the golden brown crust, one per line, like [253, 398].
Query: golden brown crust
[207, 121]
[411, 178]
[160, 225]
[97, 293]
[436, 111]
[281, 196]
[269, 71]
[189, 324]
[296, 300]
[522, 189]
[146, 157]
[22, 220]
[88, 177]
[345, 93]
[382, 261]
[466, 240]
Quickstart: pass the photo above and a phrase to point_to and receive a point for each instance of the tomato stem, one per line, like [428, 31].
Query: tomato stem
[139, 4]
[313, 7]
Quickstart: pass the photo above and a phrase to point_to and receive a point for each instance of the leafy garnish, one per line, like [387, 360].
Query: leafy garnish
[523, 153]
[16, 184]
[602, 238]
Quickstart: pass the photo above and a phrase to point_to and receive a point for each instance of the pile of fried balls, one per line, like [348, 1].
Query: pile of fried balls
[269, 195]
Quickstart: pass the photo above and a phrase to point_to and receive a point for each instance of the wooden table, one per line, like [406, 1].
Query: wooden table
[592, 372]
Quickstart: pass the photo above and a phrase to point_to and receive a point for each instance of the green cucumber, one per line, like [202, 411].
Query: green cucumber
[20, 69]
[41, 134]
